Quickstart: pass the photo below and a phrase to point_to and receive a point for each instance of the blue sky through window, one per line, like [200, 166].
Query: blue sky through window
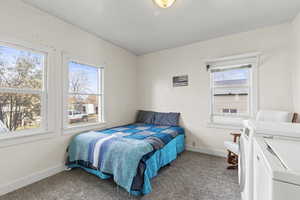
[232, 75]
[10, 55]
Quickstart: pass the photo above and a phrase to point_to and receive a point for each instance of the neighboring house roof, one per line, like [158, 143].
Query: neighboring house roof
[231, 91]
[91, 99]
[3, 128]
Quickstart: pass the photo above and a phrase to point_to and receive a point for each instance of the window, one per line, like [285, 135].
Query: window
[22, 90]
[233, 91]
[84, 95]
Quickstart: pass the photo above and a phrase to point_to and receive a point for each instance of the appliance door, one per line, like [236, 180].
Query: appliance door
[262, 180]
[242, 162]
[245, 164]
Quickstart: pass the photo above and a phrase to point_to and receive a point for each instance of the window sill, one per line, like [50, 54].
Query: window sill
[24, 137]
[82, 128]
[224, 126]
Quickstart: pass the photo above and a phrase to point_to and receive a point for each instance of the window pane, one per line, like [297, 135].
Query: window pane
[231, 104]
[83, 109]
[21, 69]
[83, 79]
[19, 111]
[231, 92]
[238, 77]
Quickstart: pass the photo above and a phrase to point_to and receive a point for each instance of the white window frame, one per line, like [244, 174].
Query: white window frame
[67, 129]
[231, 122]
[44, 92]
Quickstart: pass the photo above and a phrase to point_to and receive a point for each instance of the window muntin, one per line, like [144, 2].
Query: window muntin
[84, 99]
[22, 90]
[231, 91]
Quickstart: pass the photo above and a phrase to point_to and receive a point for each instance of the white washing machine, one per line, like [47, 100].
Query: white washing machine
[251, 130]
[276, 169]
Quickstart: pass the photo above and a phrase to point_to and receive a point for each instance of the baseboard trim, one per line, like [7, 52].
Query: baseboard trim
[213, 152]
[32, 178]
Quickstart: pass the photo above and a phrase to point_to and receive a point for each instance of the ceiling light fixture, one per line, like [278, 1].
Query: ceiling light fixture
[164, 3]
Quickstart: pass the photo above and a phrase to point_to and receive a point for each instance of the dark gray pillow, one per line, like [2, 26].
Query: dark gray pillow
[146, 117]
[166, 119]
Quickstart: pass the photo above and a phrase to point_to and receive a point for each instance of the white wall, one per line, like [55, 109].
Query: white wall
[296, 72]
[24, 23]
[155, 73]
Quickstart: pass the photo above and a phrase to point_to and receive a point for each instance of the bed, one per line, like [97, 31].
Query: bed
[132, 154]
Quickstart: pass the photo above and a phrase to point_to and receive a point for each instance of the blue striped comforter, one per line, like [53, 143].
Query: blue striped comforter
[121, 151]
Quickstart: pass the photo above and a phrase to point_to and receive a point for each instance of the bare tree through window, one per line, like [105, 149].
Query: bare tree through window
[21, 80]
[84, 94]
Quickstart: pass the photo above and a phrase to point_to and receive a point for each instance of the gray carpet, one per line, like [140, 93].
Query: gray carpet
[192, 176]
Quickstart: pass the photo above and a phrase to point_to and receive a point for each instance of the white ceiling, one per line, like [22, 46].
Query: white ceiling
[141, 27]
